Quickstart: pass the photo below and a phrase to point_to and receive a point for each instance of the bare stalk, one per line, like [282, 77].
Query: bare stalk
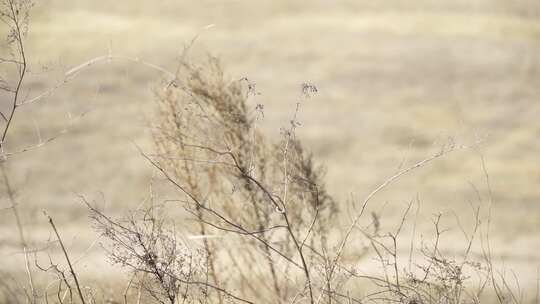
[14, 207]
[51, 222]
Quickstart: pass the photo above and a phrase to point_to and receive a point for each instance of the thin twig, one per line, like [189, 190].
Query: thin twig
[66, 256]
[20, 229]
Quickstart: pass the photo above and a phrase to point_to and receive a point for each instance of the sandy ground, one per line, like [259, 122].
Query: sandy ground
[395, 81]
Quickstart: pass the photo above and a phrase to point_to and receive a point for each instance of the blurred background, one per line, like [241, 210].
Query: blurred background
[396, 80]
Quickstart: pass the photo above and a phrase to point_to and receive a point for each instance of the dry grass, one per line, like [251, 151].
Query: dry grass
[410, 76]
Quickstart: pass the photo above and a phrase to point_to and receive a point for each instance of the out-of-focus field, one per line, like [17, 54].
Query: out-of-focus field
[396, 79]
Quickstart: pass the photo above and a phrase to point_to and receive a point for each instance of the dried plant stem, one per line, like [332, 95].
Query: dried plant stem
[209, 253]
[378, 189]
[72, 73]
[299, 249]
[15, 17]
[267, 252]
[21, 67]
[202, 228]
[51, 222]
[22, 239]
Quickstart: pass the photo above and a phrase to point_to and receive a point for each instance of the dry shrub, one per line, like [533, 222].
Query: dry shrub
[237, 182]
[162, 264]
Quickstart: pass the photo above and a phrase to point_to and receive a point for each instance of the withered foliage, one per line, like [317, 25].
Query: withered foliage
[236, 181]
